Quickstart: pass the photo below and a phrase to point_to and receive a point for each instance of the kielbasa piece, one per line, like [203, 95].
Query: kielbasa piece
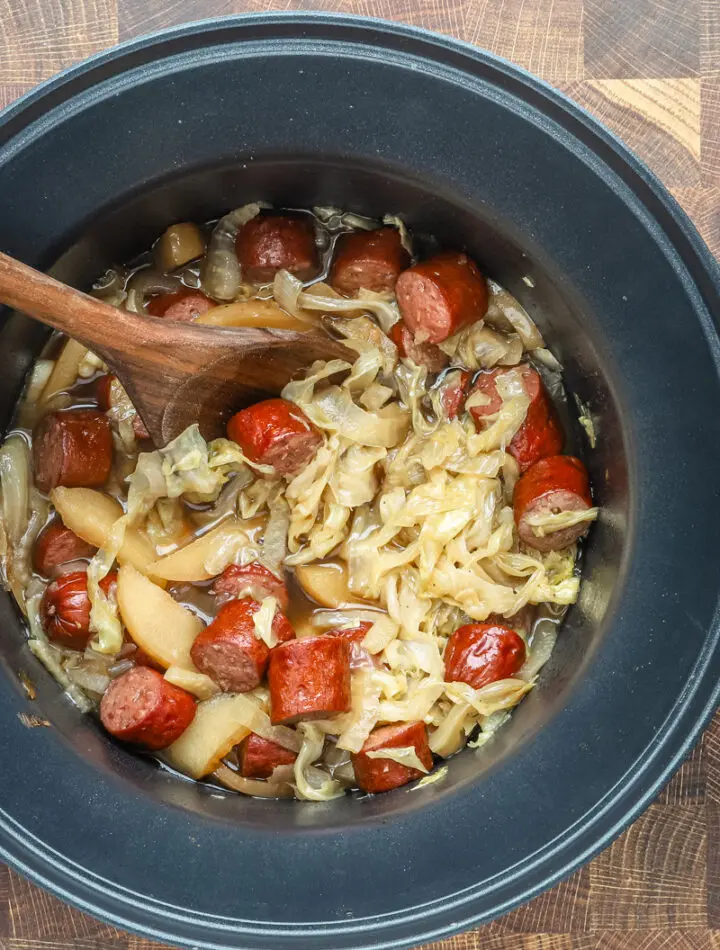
[452, 392]
[229, 652]
[440, 296]
[382, 775]
[273, 242]
[143, 708]
[540, 434]
[251, 580]
[552, 485]
[423, 354]
[184, 305]
[57, 545]
[372, 260]
[65, 608]
[72, 448]
[309, 679]
[351, 634]
[275, 432]
[480, 653]
[258, 757]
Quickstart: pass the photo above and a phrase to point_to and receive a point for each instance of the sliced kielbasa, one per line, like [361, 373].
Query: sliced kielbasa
[552, 485]
[57, 545]
[141, 707]
[424, 354]
[258, 757]
[382, 775]
[108, 391]
[275, 432]
[372, 260]
[452, 392]
[540, 434]
[273, 242]
[250, 580]
[440, 296]
[65, 608]
[72, 448]
[351, 634]
[309, 679]
[184, 305]
[480, 653]
[228, 650]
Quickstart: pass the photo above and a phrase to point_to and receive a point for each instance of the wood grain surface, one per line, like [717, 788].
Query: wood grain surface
[649, 69]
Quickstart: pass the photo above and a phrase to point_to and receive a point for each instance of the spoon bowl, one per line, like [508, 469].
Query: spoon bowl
[176, 374]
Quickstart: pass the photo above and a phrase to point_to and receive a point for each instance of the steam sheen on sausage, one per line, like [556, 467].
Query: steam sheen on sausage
[275, 432]
[141, 707]
[481, 653]
[382, 775]
[424, 354]
[72, 448]
[440, 296]
[228, 650]
[551, 486]
[258, 757]
[65, 608]
[540, 434]
[250, 580]
[372, 260]
[273, 242]
[183, 306]
[56, 545]
[309, 679]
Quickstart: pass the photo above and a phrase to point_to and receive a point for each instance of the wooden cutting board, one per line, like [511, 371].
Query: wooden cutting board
[650, 69]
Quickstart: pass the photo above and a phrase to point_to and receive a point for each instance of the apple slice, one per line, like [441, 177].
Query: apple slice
[219, 724]
[160, 626]
[91, 515]
[205, 557]
[327, 584]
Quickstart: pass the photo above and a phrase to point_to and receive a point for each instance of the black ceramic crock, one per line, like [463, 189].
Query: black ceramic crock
[315, 109]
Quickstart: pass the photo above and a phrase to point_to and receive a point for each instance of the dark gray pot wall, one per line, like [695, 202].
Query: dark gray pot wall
[375, 117]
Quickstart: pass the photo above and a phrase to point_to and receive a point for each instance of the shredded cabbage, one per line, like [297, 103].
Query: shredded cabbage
[311, 783]
[404, 755]
[263, 622]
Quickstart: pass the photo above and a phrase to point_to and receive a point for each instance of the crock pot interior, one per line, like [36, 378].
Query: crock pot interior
[117, 233]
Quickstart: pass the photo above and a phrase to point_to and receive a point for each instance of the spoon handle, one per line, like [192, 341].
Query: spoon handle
[85, 318]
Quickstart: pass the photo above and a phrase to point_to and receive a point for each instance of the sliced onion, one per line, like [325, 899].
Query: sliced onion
[248, 786]
[146, 282]
[505, 313]
[542, 644]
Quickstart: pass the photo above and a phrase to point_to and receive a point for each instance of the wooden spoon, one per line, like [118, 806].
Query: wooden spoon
[175, 373]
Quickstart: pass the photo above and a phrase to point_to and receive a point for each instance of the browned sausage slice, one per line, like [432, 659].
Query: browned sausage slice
[309, 679]
[57, 545]
[250, 580]
[65, 608]
[440, 296]
[540, 434]
[481, 653]
[275, 432]
[424, 354]
[183, 306]
[273, 242]
[229, 652]
[372, 260]
[258, 757]
[552, 485]
[382, 775]
[72, 448]
[143, 708]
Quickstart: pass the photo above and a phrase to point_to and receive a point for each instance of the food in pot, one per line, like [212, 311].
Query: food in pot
[364, 576]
